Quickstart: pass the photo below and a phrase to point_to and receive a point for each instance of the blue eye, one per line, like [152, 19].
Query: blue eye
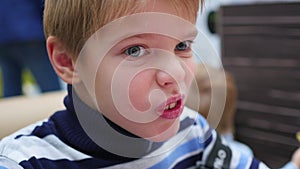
[182, 46]
[135, 51]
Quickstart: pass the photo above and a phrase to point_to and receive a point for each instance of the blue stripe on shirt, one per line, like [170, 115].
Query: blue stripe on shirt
[254, 164]
[189, 162]
[44, 163]
[186, 148]
[202, 121]
[243, 162]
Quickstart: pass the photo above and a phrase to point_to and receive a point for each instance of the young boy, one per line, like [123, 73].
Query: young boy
[129, 66]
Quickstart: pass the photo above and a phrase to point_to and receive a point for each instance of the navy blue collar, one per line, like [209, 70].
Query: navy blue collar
[71, 132]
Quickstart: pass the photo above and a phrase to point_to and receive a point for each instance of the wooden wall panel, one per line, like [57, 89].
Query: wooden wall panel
[261, 48]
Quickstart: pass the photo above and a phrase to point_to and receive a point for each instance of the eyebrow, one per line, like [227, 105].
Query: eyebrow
[189, 34]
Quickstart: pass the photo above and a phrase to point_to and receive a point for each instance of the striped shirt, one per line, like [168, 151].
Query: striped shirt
[61, 143]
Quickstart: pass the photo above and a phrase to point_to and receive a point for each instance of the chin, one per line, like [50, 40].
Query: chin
[167, 134]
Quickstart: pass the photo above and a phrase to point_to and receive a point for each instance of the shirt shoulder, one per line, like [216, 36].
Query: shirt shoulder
[23, 145]
[200, 121]
[12, 142]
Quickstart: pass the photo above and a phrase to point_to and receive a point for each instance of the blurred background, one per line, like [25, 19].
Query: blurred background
[25, 68]
[257, 41]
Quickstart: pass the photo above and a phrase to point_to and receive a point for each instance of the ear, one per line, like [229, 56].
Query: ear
[61, 60]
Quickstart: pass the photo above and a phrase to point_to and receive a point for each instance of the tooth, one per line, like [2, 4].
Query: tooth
[172, 105]
[167, 107]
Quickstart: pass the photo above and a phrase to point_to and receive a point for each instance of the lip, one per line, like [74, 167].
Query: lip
[174, 112]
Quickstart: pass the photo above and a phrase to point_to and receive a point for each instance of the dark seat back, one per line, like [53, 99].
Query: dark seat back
[261, 48]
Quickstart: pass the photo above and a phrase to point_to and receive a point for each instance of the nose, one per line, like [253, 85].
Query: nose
[171, 75]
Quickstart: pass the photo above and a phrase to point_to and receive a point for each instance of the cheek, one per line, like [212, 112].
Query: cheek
[103, 85]
[193, 67]
[139, 90]
[190, 70]
[103, 90]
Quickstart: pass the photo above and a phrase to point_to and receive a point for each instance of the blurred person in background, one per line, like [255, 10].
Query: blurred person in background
[207, 76]
[22, 46]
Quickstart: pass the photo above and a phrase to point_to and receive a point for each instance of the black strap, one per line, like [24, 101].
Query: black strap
[220, 156]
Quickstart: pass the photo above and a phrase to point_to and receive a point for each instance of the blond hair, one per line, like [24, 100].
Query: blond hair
[74, 21]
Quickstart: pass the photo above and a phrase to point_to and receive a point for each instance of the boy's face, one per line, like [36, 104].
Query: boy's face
[143, 79]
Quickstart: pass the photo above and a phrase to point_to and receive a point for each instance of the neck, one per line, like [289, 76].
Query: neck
[106, 134]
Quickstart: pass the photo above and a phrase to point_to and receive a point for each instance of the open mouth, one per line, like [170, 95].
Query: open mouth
[172, 108]
[173, 105]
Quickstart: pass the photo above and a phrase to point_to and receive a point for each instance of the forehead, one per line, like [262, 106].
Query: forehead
[171, 7]
[147, 23]
[184, 9]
